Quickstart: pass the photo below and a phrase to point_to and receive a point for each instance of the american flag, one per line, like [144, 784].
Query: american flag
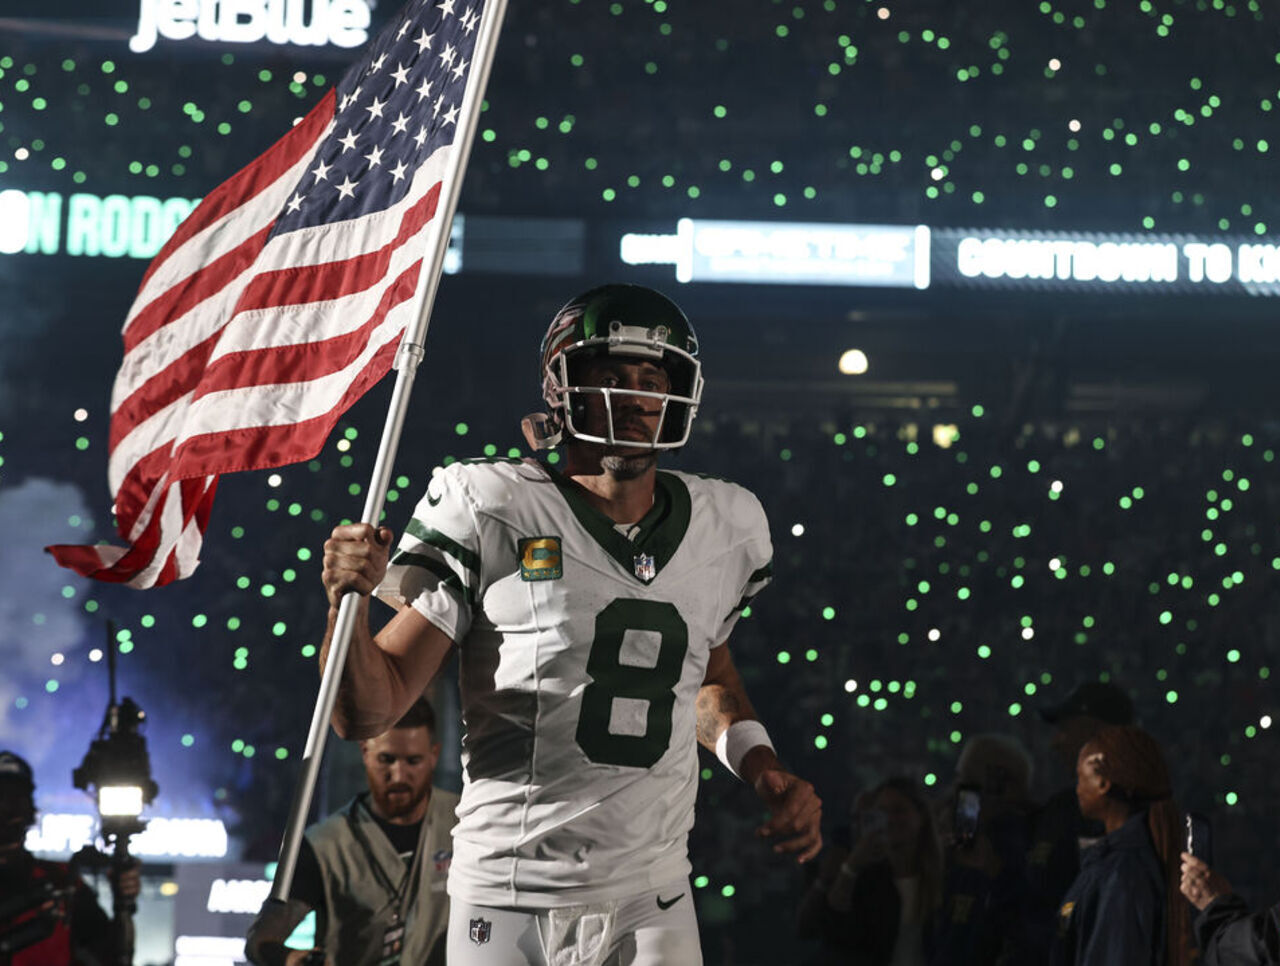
[282, 298]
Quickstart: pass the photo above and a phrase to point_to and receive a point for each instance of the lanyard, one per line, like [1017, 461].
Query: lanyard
[400, 896]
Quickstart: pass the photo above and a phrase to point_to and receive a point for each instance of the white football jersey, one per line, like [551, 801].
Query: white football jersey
[581, 654]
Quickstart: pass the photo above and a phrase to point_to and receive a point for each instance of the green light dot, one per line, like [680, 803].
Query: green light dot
[828, 613]
[701, 882]
[784, 657]
[820, 742]
[282, 753]
[1171, 697]
[1015, 709]
[1232, 798]
[188, 740]
[728, 891]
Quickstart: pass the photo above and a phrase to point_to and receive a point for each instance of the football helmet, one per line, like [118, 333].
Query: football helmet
[629, 321]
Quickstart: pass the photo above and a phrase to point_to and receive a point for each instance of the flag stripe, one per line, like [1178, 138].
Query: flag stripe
[305, 361]
[297, 146]
[195, 289]
[259, 447]
[292, 286]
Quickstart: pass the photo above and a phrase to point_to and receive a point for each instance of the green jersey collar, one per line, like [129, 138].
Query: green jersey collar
[660, 530]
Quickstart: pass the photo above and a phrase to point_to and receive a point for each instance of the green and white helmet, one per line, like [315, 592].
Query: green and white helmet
[629, 321]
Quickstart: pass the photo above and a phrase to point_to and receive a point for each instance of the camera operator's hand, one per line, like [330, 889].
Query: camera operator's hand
[126, 882]
[1200, 884]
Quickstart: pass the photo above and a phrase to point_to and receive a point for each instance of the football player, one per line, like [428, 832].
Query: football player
[590, 606]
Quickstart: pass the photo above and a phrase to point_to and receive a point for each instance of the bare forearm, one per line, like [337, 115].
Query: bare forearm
[370, 689]
[716, 708]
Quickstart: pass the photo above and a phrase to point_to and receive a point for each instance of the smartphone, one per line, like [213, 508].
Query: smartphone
[1200, 837]
[965, 819]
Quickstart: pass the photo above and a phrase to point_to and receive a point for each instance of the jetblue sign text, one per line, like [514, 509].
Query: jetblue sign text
[313, 23]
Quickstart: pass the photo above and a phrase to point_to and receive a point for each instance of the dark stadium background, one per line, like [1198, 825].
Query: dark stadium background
[1150, 410]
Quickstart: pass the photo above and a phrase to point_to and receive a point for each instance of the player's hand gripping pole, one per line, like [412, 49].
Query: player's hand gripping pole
[407, 360]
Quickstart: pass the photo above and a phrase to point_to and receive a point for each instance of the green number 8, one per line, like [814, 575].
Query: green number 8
[611, 679]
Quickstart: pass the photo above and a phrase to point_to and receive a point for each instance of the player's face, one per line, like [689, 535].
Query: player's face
[399, 766]
[634, 417]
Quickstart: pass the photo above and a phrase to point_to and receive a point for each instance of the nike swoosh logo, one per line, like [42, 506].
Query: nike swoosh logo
[665, 904]
[431, 502]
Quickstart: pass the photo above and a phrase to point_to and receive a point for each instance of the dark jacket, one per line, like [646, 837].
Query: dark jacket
[866, 934]
[1114, 913]
[1229, 936]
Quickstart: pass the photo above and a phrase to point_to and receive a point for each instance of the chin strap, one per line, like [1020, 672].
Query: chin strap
[541, 431]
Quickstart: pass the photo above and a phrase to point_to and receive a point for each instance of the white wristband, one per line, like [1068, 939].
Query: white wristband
[739, 738]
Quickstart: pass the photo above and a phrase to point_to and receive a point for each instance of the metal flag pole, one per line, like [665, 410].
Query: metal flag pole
[408, 358]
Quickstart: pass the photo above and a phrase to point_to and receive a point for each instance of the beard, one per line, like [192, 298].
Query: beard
[628, 467]
[401, 805]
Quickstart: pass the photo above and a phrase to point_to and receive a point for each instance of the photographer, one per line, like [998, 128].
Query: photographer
[48, 915]
[1225, 931]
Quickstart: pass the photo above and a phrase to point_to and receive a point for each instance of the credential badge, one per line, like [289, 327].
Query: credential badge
[480, 930]
[646, 567]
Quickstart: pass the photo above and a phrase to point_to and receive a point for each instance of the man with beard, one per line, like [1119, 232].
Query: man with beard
[375, 870]
[590, 600]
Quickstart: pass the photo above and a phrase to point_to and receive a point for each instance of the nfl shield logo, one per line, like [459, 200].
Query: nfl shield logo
[645, 566]
[480, 929]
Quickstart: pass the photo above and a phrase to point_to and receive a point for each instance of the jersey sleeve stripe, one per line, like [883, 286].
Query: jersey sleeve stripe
[742, 604]
[468, 558]
[437, 567]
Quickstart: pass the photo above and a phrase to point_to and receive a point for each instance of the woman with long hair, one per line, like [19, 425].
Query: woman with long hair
[1125, 909]
[873, 903]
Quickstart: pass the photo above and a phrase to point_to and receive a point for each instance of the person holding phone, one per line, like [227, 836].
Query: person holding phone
[874, 902]
[1226, 932]
[984, 916]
